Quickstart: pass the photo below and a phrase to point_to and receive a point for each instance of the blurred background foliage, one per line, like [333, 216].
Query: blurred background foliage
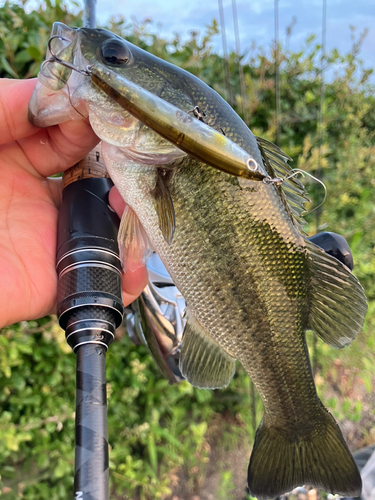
[174, 442]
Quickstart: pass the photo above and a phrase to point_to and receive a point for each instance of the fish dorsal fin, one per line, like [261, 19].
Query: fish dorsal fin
[164, 207]
[134, 245]
[276, 164]
[337, 301]
[202, 361]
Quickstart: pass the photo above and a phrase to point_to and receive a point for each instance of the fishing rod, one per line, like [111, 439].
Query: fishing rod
[89, 310]
[89, 305]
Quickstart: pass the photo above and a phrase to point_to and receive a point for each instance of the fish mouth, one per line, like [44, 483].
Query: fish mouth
[62, 44]
[51, 102]
[63, 94]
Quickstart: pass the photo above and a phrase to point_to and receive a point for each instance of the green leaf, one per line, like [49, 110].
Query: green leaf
[17, 381]
[22, 57]
[7, 66]
[63, 468]
[34, 53]
[152, 452]
[169, 453]
[50, 427]
[165, 433]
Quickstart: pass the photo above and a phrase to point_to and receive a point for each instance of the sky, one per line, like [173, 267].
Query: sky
[255, 19]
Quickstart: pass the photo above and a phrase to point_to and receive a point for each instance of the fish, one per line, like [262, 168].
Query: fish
[232, 242]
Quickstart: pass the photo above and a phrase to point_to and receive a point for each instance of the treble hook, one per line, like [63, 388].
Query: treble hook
[297, 171]
[55, 59]
[49, 46]
[278, 181]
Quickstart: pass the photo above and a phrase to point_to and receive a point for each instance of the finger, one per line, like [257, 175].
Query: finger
[14, 100]
[116, 201]
[57, 148]
[50, 150]
[133, 282]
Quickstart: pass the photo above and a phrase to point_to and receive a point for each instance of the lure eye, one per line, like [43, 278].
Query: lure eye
[114, 52]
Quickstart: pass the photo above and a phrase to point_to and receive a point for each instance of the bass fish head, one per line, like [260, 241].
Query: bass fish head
[63, 93]
[131, 96]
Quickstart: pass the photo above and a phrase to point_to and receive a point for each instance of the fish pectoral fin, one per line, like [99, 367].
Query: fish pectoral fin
[285, 458]
[133, 242]
[202, 361]
[337, 301]
[164, 207]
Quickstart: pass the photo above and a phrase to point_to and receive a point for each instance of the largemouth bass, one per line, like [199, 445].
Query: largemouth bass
[234, 246]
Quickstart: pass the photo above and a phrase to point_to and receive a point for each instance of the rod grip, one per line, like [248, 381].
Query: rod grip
[88, 263]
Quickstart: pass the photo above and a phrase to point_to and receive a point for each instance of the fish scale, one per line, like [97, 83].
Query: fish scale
[253, 307]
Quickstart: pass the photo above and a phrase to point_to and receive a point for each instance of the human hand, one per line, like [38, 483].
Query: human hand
[29, 204]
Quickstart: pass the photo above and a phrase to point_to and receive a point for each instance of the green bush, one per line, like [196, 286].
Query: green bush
[154, 428]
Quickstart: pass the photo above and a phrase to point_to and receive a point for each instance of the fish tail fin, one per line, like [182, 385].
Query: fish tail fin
[282, 460]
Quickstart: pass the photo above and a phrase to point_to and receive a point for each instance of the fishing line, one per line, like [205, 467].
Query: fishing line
[240, 67]
[321, 104]
[65, 82]
[277, 79]
[70, 100]
[320, 143]
[225, 50]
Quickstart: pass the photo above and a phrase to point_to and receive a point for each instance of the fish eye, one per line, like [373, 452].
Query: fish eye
[115, 52]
